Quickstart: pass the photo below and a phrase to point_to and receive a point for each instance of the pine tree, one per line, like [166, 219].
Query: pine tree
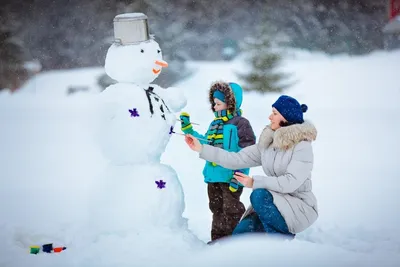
[12, 55]
[263, 60]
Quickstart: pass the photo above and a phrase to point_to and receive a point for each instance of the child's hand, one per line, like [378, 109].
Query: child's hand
[244, 179]
[186, 125]
[193, 142]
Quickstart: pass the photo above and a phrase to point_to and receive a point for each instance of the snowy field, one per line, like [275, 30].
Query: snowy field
[49, 161]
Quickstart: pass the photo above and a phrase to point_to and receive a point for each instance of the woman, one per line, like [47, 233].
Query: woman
[282, 200]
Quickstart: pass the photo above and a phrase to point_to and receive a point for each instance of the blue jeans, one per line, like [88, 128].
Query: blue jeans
[265, 219]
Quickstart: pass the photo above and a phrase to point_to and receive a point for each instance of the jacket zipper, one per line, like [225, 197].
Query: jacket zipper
[230, 139]
[273, 163]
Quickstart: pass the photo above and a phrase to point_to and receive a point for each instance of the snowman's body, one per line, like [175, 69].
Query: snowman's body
[136, 124]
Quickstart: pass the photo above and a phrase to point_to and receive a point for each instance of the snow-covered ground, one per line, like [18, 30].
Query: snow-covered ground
[49, 161]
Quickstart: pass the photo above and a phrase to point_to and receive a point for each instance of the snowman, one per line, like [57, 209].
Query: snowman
[136, 191]
[137, 201]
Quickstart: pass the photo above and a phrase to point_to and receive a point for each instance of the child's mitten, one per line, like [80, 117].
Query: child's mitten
[186, 125]
[234, 183]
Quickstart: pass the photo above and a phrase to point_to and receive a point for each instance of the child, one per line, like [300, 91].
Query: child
[232, 132]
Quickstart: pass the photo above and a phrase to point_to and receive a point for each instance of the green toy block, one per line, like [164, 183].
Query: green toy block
[34, 249]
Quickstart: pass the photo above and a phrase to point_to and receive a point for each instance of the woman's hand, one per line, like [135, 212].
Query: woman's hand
[193, 143]
[244, 179]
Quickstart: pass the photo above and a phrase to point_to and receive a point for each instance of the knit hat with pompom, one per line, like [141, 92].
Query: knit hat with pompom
[290, 109]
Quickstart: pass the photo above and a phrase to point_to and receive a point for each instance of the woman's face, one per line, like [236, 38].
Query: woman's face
[219, 105]
[276, 119]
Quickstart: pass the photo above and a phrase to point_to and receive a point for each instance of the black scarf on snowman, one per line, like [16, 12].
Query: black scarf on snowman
[151, 95]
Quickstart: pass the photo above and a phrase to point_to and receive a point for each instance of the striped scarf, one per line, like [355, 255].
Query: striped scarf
[215, 134]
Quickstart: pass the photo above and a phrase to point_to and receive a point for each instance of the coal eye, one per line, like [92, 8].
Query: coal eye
[141, 50]
[159, 51]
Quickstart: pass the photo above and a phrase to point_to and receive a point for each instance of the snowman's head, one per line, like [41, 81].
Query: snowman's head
[136, 63]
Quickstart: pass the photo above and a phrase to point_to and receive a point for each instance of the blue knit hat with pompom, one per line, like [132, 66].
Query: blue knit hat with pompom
[290, 109]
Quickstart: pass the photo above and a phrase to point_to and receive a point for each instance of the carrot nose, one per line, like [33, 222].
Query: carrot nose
[161, 63]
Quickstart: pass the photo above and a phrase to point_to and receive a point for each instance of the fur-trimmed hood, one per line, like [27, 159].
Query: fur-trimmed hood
[233, 94]
[287, 137]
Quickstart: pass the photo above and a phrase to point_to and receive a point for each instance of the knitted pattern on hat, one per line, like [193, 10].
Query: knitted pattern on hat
[290, 109]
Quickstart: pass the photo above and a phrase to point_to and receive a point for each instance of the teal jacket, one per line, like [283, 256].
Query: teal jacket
[237, 133]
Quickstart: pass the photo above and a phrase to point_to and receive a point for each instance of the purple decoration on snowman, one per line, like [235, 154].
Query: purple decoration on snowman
[134, 112]
[160, 184]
